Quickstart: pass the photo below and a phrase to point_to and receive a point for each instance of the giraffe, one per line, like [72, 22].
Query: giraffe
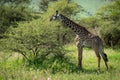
[83, 39]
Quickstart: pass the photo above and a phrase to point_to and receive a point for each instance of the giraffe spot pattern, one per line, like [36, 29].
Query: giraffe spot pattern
[75, 27]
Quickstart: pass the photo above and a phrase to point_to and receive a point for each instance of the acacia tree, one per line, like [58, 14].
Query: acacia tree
[37, 40]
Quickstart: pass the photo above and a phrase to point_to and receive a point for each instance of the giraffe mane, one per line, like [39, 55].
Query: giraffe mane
[79, 26]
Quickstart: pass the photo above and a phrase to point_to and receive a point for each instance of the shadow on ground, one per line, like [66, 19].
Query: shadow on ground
[64, 65]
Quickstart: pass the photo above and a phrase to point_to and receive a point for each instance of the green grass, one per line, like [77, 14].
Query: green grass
[13, 68]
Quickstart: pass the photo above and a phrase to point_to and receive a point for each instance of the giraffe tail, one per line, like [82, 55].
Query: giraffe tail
[104, 56]
[102, 53]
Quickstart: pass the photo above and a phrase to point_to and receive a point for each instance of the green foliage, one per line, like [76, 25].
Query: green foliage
[12, 12]
[109, 23]
[111, 34]
[91, 24]
[64, 7]
[43, 4]
[111, 10]
[34, 40]
[10, 16]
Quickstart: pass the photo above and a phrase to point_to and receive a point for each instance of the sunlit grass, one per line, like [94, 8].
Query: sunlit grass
[11, 69]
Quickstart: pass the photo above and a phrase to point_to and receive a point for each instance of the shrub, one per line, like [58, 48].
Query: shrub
[35, 40]
[10, 16]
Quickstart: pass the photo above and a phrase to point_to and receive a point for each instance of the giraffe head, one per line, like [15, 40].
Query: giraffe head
[56, 16]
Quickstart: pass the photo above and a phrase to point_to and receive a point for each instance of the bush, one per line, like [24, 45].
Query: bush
[111, 34]
[110, 23]
[40, 39]
[10, 16]
[34, 40]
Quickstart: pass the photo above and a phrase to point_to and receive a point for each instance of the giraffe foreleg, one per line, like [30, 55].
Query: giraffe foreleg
[80, 57]
[80, 50]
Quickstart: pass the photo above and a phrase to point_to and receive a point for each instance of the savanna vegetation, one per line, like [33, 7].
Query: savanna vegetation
[33, 48]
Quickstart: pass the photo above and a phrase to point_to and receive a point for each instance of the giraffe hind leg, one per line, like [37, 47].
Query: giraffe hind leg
[104, 56]
[98, 57]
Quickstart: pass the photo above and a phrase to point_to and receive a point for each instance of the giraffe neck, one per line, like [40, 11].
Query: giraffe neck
[79, 30]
